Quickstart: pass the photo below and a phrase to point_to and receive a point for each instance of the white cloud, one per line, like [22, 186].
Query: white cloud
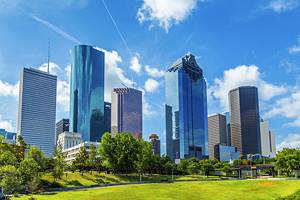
[165, 12]
[243, 76]
[135, 64]
[288, 107]
[280, 6]
[54, 69]
[6, 124]
[294, 50]
[7, 89]
[291, 141]
[154, 72]
[151, 85]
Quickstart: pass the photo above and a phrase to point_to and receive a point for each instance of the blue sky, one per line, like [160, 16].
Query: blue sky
[249, 42]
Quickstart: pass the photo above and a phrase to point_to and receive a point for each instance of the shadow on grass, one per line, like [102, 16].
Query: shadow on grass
[49, 193]
[73, 182]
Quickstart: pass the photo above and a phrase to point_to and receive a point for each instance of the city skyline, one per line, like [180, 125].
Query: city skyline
[270, 63]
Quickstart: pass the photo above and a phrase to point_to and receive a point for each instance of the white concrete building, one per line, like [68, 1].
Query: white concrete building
[71, 153]
[69, 139]
[268, 145]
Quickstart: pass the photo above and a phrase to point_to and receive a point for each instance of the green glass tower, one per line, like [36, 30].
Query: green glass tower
[87, 92]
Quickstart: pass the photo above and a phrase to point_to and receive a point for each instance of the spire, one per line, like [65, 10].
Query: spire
[48, 69]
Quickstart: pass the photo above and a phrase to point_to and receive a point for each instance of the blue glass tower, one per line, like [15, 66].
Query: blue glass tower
[186, 110]
[87, 92]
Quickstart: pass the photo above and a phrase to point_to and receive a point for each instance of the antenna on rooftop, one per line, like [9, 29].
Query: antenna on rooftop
[124, 85]
[48, 69]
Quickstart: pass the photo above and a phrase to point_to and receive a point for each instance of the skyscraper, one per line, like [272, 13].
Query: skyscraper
[107, 116]
[216, 133]
[37, 109]
[87, 92]
[268, 147]
[126, 111]
[155, 142]
[62, 126]
[186, 110]
[244, 120]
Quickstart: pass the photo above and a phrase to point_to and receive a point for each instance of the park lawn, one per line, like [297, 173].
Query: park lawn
[245, 189]
[93, 178]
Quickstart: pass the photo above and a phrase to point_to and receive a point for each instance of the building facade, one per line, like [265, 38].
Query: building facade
[244, 120]
[155, 142]
[87, 92]
[37, 109]
[71, 153]
[226, 153]
[107, 116]
[9, 137]
[186, 110]
[62, 126]
[216, 133]
[127, 111]
[67, 140]
[268, 145]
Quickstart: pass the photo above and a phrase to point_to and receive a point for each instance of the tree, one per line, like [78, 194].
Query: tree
[29, 172]
[37, 155]
[59, 163]
[288, 160]
[227, 170]
[207, 166]
[119, 153]
[20, 148]
[144, 155]
[92, 157]
[7, 158]
[81, 161]
[10, 179]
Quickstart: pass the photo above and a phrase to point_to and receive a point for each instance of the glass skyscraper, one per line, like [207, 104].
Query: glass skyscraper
[37, 109]
[126, 111]
[87, 92]
[245, 120]
[186, 110]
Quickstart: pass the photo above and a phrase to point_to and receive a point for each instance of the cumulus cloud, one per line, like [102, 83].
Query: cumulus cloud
[165, 13]
[135, 64]
[291, 141]
[9, 90]
[280, 6]
[154, 72]
[243, 76]
[151, 85]
[288, 107]
[6, 124]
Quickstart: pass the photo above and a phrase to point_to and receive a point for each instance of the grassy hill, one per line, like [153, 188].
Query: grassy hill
[221, 190]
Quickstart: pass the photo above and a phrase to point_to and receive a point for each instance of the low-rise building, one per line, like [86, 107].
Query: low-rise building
[226, 153]
[70, 153]
[68, 139]
[9, 137]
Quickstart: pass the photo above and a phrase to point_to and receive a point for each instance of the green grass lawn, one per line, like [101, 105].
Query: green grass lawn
[86, 179]
[246, 189]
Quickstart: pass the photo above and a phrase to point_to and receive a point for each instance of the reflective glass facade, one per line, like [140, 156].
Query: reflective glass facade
[126, 112]
[226, 153]
[186, 110]
[87, 92]
[245, 120]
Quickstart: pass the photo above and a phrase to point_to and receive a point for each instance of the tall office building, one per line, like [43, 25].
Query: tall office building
[186, 110]
[62, 126]
[107, 116]
[126, 111]
[228, 130]
[37, 109]
[216, 133]
[268, 146]
[87, 92]
[155, 142]
[244, 120]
